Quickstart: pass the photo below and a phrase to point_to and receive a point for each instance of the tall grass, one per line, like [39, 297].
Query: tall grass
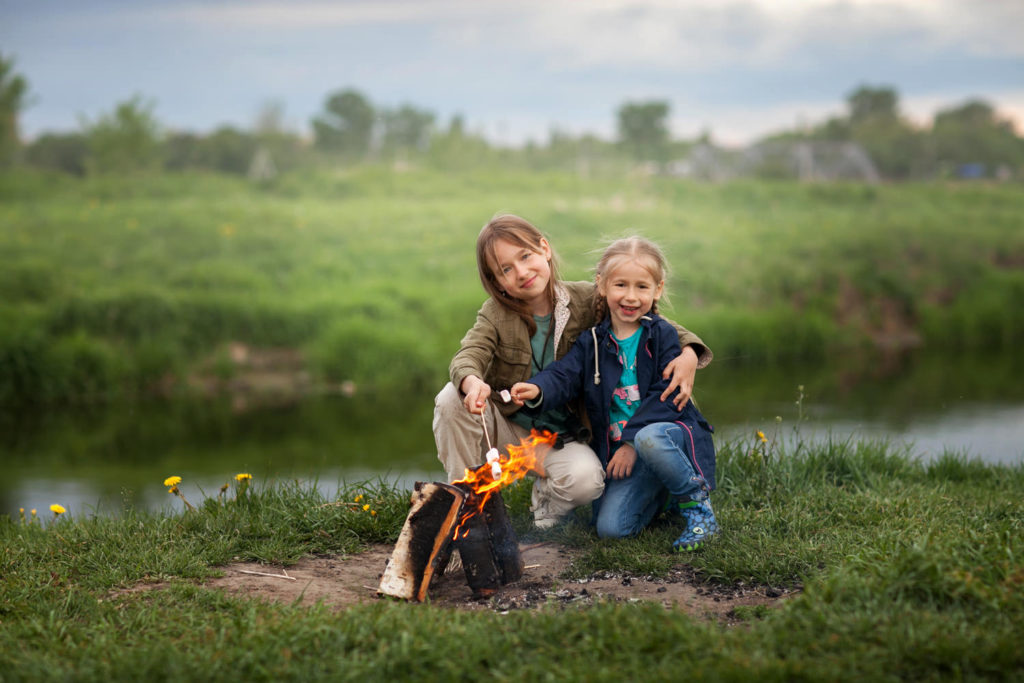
[112, 285]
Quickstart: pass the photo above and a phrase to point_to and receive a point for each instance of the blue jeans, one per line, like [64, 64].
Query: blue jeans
[665, 466]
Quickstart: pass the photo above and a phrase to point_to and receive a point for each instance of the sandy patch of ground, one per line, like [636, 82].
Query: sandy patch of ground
[342, 581]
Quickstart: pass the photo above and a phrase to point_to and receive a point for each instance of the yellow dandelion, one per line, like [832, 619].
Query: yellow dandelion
[172, 481]
[359, 498]
[243, 476]
[373, 512]
[224, 488]
[762, 437]
[33, 512]
[57, 509]
[366, 507]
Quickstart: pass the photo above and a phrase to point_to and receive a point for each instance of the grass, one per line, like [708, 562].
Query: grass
[111, 286]
[909, 570]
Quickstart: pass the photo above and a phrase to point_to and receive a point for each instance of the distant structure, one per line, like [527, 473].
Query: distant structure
[808, 161]
[262, 168]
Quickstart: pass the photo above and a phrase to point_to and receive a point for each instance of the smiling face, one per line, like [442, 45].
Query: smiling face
[630, 290]
[523, 273]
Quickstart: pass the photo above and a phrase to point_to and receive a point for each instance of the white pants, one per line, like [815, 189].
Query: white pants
[573, 474]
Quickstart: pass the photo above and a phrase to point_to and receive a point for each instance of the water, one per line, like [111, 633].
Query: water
[102, 461]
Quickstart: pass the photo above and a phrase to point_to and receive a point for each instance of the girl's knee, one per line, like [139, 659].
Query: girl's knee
[611, 524]
[608, 529]
[448, 398]
[654, 436]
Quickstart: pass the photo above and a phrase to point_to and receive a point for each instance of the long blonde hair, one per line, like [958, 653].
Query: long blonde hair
[520, 232]
[633, 248]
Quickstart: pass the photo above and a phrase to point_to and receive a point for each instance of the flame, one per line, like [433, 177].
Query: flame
[520, 460]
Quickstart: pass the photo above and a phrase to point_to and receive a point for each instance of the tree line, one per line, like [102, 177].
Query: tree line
[966, 140]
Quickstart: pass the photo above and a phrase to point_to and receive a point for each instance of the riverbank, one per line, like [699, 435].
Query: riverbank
[363, 279]
[889, 568]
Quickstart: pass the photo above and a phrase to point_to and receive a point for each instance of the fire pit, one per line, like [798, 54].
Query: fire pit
[469, 516]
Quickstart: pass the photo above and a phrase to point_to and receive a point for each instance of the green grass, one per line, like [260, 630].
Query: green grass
[908, 571]
[112, 285]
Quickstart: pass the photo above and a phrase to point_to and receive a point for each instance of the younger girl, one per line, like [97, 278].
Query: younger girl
[531, 318]
[647, 446]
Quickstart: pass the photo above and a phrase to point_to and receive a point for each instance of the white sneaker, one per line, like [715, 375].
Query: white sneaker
[546, 522]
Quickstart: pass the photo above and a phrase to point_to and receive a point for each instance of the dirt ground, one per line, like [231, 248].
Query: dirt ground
[342, 581]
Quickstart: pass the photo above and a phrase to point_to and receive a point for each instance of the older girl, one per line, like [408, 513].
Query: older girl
[649, 448]
[530, 319]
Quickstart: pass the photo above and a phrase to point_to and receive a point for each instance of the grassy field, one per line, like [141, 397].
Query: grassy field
[124, 287]
[908, 571]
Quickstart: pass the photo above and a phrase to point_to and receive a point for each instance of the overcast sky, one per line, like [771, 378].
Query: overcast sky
[514, 70]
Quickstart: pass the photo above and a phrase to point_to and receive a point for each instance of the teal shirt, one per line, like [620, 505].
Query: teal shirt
[542, 349]
[626, 397]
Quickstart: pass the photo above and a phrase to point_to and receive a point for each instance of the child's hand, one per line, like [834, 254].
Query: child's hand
[621, 464]
[477, 392]
[523, 392]
[681, 371]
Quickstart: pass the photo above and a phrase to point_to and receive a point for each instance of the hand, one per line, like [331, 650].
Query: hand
[681, 371]
[621, 464]
[477, 392]
[523, 392]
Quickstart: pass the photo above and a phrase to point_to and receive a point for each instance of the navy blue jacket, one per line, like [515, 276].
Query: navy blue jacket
[574, 374]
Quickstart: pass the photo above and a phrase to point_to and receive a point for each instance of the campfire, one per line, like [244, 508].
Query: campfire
[469, 516]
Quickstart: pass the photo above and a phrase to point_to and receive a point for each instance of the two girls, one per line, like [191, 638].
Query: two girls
[530, 319]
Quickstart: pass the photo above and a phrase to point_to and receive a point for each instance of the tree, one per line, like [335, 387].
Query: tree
[346, 126]
[65, 152]
[643, 129]
[897, 149]
[973, 133]
[125, 140]
[868, 104]
[407, 128]
[13, 89]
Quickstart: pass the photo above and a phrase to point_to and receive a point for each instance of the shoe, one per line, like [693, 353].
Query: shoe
[546, 522]
[700, 525]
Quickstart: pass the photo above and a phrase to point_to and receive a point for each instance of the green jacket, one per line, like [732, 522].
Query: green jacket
[497, 347]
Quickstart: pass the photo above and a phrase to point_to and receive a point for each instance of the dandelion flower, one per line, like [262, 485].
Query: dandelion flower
[172, 481]
[359, 498]
[57, 509]
[373, 512]
[243, 476]
[762, 437]
[33, 512]
[366, 507]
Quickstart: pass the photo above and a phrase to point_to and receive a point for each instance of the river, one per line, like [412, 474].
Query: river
[102, 461]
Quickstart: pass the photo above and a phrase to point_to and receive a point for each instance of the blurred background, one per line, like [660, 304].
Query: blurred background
[238, 236]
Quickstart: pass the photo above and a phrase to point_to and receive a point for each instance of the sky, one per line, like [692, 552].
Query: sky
[514, 71]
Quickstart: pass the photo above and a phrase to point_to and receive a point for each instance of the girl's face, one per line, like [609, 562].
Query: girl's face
[631, 291]
[523, 273]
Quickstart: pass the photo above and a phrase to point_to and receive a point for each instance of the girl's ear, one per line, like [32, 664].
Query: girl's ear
[659, 290]
[600, 287]
[545, 248]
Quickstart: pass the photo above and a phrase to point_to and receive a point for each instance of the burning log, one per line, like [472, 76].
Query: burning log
[469, 516]
[487, 543]
[422, 548]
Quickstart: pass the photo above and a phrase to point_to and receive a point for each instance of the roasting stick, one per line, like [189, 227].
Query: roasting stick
[492, 453]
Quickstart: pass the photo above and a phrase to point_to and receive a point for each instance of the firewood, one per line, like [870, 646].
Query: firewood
[423, 544]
